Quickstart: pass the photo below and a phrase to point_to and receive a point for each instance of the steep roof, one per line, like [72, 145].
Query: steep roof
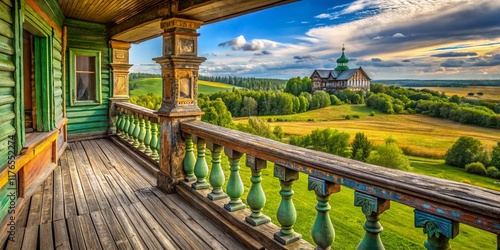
[340, 75]
[346, 74]
[323, 73]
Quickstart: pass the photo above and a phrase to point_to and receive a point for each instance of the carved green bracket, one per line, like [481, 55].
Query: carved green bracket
[189, 158]
[235, 186]
[216, 175]
[323, 232]
[256, 197]
[439, 230]
[287, 215]
[201, 166]
[372, 207]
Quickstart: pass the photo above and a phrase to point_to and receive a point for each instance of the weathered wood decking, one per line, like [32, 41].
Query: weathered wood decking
[100, 198]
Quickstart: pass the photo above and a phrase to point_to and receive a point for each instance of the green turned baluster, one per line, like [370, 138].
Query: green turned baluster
[256, 197]
[234, 186]
[131, 129]
[154, 141]
[439, 230]
[322, 231]
[137, 130]
[126, 126]
[372, 207]
[147, 138]
[216, 175]
[286, 211]
[201, 166]
[119, 116]
[142, 134]
[189, 158]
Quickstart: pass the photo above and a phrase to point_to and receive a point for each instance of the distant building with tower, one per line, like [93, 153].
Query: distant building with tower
[340, 78]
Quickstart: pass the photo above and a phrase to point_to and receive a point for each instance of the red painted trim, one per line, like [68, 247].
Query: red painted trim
[40, 12]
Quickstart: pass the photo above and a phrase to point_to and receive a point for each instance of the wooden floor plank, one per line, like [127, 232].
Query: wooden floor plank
[132, 234]
[89, 233]
[61, 236]
[116, 230]
[184, 238]
[193, 218]
[18, 240]
[81, 202]
[46, 239]
[58, 197]
[160, 234]
[75, 233]
[99, 171]
[35, 207]
[146, 235]
[90, 181]
[30, 240]
[102, 230]
[70, 206]
[46, 212]
[127, 190]
[22, 215]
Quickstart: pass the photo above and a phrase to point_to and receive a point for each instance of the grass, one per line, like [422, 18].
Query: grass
[490, 93]
[399, 231]
[154, 85]
[417, 135]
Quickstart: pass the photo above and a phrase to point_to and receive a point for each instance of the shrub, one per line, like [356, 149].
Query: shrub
[475, 168]
[348, 117]
[390, 156]
[491, 171]
[464, 151]
[361, 147]
[310, 120]
[355, 116]
[372, 113]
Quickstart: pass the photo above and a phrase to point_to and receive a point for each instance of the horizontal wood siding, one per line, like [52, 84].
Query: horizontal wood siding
[92, 118]
[52, 10]
[7, 99]
[7, 82]
[57, 73]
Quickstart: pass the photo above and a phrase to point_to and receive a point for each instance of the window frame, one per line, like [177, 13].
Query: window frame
[73, 52]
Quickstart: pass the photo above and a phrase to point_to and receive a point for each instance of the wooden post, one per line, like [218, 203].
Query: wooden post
[372, 207]
[439, 230]
[120, 87]
[179, 68]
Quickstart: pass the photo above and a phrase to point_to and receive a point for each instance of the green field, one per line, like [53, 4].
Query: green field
[154, 85]
[490, 93]
[417, 135]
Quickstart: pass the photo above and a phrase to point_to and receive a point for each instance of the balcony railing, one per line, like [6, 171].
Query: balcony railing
[139, 127]
[440, 205]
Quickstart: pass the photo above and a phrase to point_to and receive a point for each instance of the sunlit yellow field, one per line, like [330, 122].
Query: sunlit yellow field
[491, 93]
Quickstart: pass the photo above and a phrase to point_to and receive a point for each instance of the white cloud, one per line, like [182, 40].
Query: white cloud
[240, 43]
[398, 35]
[377, 37]
[322, 16]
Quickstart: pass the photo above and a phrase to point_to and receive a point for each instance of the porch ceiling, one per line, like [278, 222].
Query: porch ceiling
[139, 20]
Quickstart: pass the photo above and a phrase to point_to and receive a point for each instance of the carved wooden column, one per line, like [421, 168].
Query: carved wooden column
[439, 230]
[179, 69]
[120, 67]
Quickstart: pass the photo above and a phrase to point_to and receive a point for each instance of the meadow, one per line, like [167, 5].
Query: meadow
[417, 135]
[490, 93]
[154, 85]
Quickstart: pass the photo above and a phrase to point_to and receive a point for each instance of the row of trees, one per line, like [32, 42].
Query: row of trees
[468, 152]
[134, 76]
[335, 142]
[401, 100]
[248, 83]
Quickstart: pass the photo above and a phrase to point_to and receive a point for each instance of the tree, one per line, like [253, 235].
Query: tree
[470, 94]
[249, 106]
[464, 151]
[479, 93]
[495, 156]
[216, 113]
[456, 99]
[361, 147]
[389, 155]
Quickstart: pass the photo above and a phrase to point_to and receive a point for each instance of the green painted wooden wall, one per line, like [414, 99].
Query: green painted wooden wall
[90, 118]
[7, 82]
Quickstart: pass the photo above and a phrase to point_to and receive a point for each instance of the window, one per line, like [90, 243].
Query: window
[85, 77]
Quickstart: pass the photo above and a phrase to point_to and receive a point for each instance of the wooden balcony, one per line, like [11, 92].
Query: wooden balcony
[100, 197]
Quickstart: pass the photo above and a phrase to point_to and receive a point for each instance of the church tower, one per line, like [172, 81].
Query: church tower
[342, 62]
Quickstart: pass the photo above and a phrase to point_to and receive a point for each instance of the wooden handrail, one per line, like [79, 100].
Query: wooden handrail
[468, 204]
[143, 112]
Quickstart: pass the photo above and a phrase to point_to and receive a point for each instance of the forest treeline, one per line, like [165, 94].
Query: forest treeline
[248, 82]
[134, 76]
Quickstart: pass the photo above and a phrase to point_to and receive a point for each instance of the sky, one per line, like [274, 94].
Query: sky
[389, 39]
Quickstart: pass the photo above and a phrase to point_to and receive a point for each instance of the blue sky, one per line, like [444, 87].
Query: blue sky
[390, 39]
